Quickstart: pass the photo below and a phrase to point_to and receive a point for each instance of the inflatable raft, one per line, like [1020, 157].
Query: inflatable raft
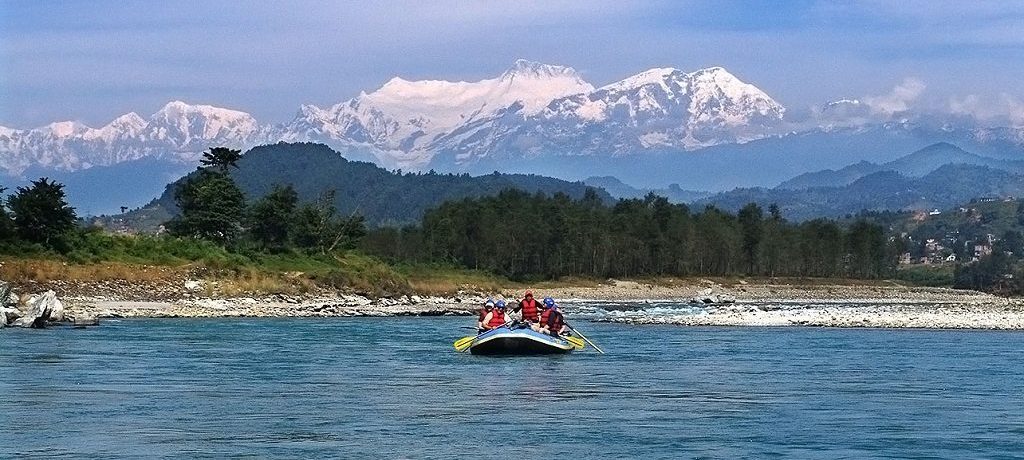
[525, 341]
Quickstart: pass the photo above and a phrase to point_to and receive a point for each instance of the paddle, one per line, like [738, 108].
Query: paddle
[576, 343]
[584, 338]
[464, 343]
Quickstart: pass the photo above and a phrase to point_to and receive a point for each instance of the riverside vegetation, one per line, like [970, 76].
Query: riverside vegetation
[280, 243]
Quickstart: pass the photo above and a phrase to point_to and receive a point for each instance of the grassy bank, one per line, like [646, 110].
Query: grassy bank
[169, 262]
[99, 258]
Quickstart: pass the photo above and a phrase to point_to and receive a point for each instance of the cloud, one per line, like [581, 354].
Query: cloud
[1002, 109]
[898, 100]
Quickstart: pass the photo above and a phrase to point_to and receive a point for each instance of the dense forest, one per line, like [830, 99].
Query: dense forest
[537, 236]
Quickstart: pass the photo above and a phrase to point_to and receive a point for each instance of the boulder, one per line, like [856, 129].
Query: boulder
[42, 308]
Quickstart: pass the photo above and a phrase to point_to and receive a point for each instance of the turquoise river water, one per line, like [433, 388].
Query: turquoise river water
[395, 388]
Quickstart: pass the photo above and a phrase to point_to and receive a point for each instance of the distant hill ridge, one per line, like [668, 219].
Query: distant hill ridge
[945, 187]
[916, 164]
[382, 197]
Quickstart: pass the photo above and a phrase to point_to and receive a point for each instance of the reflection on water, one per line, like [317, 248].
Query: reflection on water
[393, 387]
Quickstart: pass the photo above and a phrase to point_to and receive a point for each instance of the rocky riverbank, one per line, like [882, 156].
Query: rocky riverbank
[277, 306]
[950, 316]
[757, 303]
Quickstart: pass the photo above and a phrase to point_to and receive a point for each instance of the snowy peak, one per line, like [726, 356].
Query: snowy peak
[523, 68]
[405, 115]
[657, 76]
[130, 121]
[186, 124]
[63, 128]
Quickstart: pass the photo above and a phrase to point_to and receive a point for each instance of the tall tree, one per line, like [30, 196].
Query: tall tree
[221, 158]
[751, 227]
[211, 208]
[6, 224]
[41, 213]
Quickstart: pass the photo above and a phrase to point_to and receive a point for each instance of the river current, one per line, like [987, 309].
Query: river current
[395, 388]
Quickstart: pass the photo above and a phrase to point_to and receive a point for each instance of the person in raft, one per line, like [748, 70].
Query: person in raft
[530, 309]
[488, 306]
[551, 321]
[496, 317]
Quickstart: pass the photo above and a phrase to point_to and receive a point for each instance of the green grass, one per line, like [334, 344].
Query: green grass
[922, 275]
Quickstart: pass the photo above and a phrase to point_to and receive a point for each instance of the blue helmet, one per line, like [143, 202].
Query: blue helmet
[549, 302]
[489, 303]
[500, 304]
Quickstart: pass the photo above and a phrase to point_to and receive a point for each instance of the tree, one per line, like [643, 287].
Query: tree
[271, 217]
[750, 225]
[6, 224]
[317, 226]
[221, 158]
[211, 208]
[41, 213]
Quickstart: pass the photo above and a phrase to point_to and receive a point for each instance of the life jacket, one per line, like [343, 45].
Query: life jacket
[497, 318]
[529, 308]
[544, 316]
[483, 314]
[554, 322]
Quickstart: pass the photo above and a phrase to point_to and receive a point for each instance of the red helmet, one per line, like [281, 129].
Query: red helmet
[529, 293]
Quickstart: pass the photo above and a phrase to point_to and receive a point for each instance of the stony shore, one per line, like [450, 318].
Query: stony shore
[924, 316]
[757, 304]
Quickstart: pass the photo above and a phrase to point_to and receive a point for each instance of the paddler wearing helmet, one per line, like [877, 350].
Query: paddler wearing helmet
[488, 306]
[496, 317]
[551, 320]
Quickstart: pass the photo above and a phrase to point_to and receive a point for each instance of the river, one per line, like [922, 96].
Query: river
[395, 388]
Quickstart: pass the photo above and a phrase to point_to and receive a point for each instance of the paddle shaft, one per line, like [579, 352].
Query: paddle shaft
[584, 338]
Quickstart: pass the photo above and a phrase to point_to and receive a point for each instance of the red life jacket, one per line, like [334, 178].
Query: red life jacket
[497, 318]
[529, 307]
[554, 322]
[544, 317]
[483, 314]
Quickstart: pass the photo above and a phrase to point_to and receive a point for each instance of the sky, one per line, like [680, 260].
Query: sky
[91, 61]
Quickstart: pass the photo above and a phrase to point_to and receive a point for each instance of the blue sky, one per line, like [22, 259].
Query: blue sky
[94, 60]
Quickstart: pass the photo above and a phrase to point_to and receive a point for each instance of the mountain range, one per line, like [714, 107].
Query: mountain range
[703, 130]
[530, 109]
[938, 176]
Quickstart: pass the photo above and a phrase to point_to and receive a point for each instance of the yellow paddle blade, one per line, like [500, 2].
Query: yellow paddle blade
[464, 343]
[575, 341]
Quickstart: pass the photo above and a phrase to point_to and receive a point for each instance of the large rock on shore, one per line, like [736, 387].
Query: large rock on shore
[42, 308]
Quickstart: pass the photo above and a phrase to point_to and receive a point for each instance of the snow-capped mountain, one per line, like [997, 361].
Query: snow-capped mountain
[656, 109]
[529, 109]
[176, 131]
[403, 116]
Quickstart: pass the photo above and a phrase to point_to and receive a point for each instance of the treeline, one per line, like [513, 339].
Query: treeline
[526, 236]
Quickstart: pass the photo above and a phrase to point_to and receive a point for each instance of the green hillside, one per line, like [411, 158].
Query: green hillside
[382, 197]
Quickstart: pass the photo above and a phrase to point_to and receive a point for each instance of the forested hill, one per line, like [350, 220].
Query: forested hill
[382, 197]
